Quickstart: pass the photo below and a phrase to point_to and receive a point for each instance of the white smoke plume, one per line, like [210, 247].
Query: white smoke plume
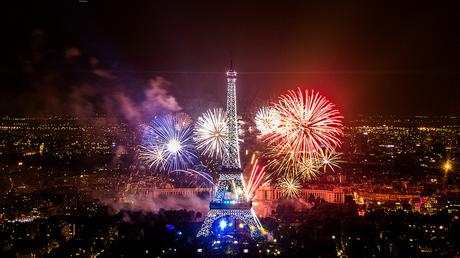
[157, 98]
[148, 204]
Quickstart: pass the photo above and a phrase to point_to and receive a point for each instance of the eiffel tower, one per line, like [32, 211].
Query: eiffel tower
[230, 202]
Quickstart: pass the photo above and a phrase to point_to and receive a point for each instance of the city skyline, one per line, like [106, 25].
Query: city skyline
[215, 129]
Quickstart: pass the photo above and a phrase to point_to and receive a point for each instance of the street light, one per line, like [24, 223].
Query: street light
[447, 166]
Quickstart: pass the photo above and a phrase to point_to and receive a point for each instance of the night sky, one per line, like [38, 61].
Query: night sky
[388, 58]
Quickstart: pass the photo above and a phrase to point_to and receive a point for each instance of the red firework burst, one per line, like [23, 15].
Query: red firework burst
[308, 124]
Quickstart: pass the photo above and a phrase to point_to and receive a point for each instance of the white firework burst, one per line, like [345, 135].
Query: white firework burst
[267, 120]
[330, 159]
[211, 133]
[290, 186]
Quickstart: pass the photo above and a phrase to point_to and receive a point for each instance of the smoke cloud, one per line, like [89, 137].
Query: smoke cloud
[110, 98]
[149, 204]
[157, 98]
[58, 80]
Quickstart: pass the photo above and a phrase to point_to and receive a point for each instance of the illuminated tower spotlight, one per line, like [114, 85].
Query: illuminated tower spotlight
[231, 199]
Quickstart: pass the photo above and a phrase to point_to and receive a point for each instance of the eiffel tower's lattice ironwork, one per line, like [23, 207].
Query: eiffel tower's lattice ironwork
[232, 155]
[231, 198]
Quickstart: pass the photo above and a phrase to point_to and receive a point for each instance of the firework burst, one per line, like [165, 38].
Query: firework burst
[306, 137]
[330, 159]
[305, 167]
[283, 164]
[211, 133]
[267, 120]
[290, 186]
[309, 167]
[183, 120]
[168, 144]
[153, 155]
[308, 123]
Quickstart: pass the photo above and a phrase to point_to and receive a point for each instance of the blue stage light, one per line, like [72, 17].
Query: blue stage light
[170, 227]
[222, 224]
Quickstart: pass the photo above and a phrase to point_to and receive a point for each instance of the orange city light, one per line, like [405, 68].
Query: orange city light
[447, 166]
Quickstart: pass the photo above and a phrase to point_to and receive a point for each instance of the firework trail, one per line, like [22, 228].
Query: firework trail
[256, 178]
[168, 144]
[211, 133]
[203, 175]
